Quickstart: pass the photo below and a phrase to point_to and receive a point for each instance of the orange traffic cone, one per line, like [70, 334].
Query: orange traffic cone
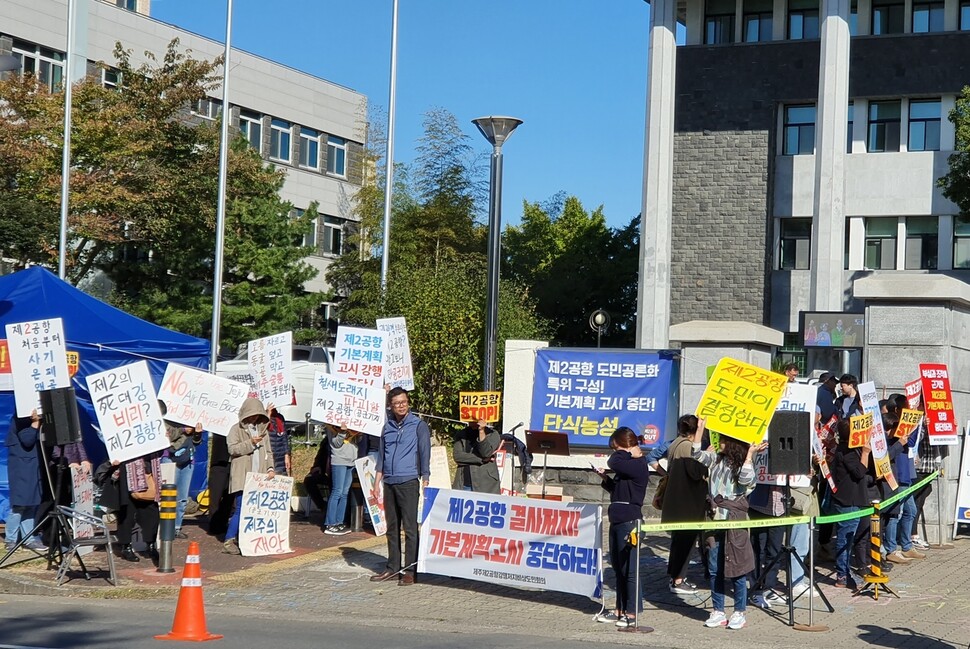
[189, 623]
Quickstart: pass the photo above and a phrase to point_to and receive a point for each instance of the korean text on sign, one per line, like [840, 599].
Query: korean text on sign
[270, 364]
[360, 355]
[38, 361]
[480, 406]
[397, 359]
[127, 409]
[860, 430]
[264, 521]
[341, 402]
[798, 397]
[739, 400]
[877, 440]
[941, 423]
[192, 396]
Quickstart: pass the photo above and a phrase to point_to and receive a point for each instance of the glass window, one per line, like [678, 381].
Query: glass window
[719, 22]
[965, 15]
[927, 17]
[110, 78]
[44, 64]
[207, 108]
[799, 130]
[757, 20]
[333, 235]
[854, 18]
[922, 239]
[130, 5]
[848, 130]
[336, 156]
[310, 238]
[796, 244]
[279, 140]
[309, 148]
[887, 17]
[880, 244]
[883, 126]
[251, 126]
[802, 19]
[924, 125]
[961, 241]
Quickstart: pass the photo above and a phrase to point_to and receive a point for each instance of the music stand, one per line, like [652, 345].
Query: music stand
[546, 442]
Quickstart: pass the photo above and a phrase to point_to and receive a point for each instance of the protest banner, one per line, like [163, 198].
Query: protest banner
[397, 354]
[6, 373]
[264, 521]
[82, 486]
[512, 541]
[38, 361]
[877, 440]
[740, 399]
[860, 430]
[480, 406]
[360, 355]
[909, 421]
[438, 465]
[586, 394]
[350, 405]
[271, 367]
[127, 409]
[192, 396]
[798, 397]
[963, 485]
[367, 476]
[941, 425]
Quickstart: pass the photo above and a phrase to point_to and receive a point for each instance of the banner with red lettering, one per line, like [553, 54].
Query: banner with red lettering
[941, 424]
[510, 541]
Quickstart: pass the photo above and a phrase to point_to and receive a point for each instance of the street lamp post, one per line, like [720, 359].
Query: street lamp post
[496, 130]
[599, 320]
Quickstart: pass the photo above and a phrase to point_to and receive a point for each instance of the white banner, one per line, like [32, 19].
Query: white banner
[397, 360]
[512, 541]
[877, 441]
[367, 476]
[271, 366]
[799, 397]
[360, 355]
[264, 521]
[83, 489]
[193, 396]
[128, 413]
[963, 486]
[38, 361]
[340, 402]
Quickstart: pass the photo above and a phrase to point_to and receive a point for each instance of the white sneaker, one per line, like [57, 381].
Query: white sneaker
[718, 618]
[801, 588]
[920, 543]
[606, 616]
[737, 620]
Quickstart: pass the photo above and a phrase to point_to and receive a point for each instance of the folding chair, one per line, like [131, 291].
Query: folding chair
[101, 537]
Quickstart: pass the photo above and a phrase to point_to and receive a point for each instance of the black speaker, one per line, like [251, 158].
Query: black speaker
[790, 443]
[60, 420]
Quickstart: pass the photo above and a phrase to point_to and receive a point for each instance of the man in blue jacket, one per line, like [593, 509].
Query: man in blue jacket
[404, 458]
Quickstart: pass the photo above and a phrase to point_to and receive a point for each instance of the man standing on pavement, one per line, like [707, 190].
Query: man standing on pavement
[404, 458]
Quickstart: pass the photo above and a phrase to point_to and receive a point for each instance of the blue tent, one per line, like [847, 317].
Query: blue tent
[104, 337]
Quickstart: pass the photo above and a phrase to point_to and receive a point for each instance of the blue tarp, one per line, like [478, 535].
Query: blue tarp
[104, 337]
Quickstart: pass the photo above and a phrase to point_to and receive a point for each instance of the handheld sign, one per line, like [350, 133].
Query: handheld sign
[880, 447]
[367, 475]
[264, 521]
[82, 486]
[941, 424]
[909, 421]
[480, 406]
[192, 396]
[350, 405]
[38, 361]
[128, 413]
[860, 430]
[360, 355]
[740, 400]
[397, 360]
[271, 366]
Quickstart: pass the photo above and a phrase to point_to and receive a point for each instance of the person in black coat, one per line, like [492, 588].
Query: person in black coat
[220, 506]
[685, 500]
[23, 475]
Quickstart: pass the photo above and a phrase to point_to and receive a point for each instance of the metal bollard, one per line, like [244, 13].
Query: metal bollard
[876, 579]
[166, 528]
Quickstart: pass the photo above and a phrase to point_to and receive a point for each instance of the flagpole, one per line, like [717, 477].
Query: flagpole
[67, 80]
[389, 155]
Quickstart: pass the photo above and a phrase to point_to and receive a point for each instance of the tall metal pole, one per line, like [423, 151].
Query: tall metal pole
[221, 207]
[68, 78]
[494, 264]
[389, 155]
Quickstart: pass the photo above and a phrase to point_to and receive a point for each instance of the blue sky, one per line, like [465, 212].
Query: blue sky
[573, 70]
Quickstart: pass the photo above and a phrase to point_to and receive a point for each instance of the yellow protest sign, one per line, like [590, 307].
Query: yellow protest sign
[740, 400]
[860, 429]
[909, 421]
[484, 406]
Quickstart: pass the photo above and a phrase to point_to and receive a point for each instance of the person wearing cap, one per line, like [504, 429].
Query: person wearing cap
[825, 397]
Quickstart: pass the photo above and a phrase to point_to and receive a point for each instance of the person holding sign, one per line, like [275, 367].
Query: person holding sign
[23, 477]
[132, 492]
[181, 450]
[848, 404]
[849, 470]
[474, 452]
[250, 452]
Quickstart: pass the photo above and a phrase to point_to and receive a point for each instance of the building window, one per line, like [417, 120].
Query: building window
[848, 130]
[927, 17]
[44, 64]
[336, 156]
[251, 126]
[854, 18]
[888, 17]
[883, 126]
[799, 130]
[207, 108]
[802, 19]
[961, 241]
[309, 239]
[309, 148]
[796, 244]
[333, 235]
[922, 240]
[924, 125]
[719, 22]
[110, 78]
[880, 244]
[279, 140]
[130, 5]
[757, 20]
[965, 15]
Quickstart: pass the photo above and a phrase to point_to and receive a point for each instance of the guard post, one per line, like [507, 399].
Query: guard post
[875, 579]
[166, 528]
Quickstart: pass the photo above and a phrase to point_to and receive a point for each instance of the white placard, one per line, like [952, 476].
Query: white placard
[264, 521]
[367, 476]
[869, 399]
[963, 484]
[397, 359]
[360, 355]
[271, 366]
[83, 489]
[38, 361]
[440, 472]
[127, 408]
[192, 396]
[798, 397]
[354, 406]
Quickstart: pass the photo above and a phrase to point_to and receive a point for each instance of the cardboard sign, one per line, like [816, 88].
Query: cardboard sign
[877, 440]
[941, 424]
[82, 486]
[128, 413]
[909, 421]
[271, 366]
[351, 405]
[192, 396]
[264, 521]
[38, 360]
[397, 359]
[798, 397]
[740, 399]
[360, 355]
[373, 497]
[860, 430]
[480, 406]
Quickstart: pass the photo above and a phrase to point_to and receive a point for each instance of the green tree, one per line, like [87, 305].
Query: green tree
[956, 183]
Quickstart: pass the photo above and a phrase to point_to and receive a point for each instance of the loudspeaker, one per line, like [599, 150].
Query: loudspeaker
[59, 417]
[790, 443]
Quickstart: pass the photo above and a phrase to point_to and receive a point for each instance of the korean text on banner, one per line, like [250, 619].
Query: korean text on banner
[860, 430]
[360, 355]
[82, 486]
[367, 476]
[798, 397]
[192, 396]
[397, 354]
[127, 408]
[963, 487]
[271, 366]
[588, 394]
[909, 421]
[6, 374]
[38, 361]
[877, 440]
[340, 402]
[512, 541]
[264, 522]
[740, 399]
[480, 406]
[941, 424]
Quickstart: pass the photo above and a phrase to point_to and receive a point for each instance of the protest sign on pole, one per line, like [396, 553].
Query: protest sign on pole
[877, 439]
[360, 355]
[264, 521]
[367, 476]
[941, 424]
[82, 486]
[271, 366]
[512, 541]
[909, 421]
[480, 406]
[740, 399]
[798, 397]
[860, 430]
[397, 358]
[350, 405]
[127, 408]
[192, 396]
[38, 361]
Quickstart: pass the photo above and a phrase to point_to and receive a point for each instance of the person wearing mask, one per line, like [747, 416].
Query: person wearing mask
[343, 454]
[250, 453]
[849, 470]
[474, 453]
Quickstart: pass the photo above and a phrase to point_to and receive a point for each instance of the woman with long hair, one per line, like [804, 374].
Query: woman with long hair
[849, 471]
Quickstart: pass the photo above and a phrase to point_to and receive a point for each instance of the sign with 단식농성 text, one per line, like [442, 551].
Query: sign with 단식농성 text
[38, 361]
[264, 521]
[195, 397]
[359, 355]
[512, 541]
[271, 366]
[355, 406]
[941, 424]
[397, 354]
[740, 399]
[127, 409]
[480, 406]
